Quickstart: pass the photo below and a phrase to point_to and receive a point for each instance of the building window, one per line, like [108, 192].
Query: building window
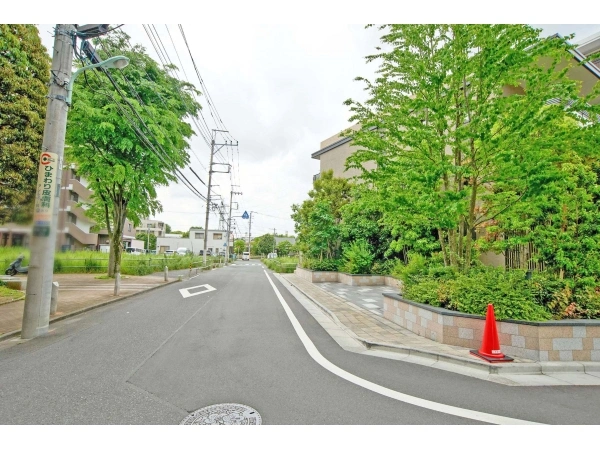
[73, 196]
[217, 236]
[129, 227]
[199, 235]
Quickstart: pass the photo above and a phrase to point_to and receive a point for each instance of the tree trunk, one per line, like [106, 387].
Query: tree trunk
[441, 238]
[470, 228]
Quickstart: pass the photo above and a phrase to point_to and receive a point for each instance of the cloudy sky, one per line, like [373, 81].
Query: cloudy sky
[279, 88]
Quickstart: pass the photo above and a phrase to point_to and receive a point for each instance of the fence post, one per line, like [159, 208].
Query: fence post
[54, 298]
[166, 273]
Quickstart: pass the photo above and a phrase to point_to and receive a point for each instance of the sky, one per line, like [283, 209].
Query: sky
[278, 81]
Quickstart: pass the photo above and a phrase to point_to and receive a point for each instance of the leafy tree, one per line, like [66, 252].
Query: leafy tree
[284, 248]
[147, 238]
[443, 131]
[239, 246]
[24, 75]
[263, 245]
[167, 228]
[124, 165]
[317, 220]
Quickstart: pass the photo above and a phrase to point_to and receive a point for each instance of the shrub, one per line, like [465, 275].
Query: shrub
[358, 258]
[327, 265]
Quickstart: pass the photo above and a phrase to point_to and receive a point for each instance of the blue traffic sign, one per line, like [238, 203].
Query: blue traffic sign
[245, 215]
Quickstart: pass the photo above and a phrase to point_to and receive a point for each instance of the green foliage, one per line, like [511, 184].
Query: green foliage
[281, 265]
[239, 246]
[284, 248]
[263, 245]
[147, 238]
[317, 220]
[24, 74]
[358, 258]
[122, 168]
[454, 150]
[325, 264]
[512, 295]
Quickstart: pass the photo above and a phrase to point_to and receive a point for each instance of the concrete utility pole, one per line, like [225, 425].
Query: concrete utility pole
[213, 151]
[273, 240]
[229, 222]
[36, 313]
[250, 232]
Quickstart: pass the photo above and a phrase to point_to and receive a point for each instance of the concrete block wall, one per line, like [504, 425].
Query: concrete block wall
[569, 340]
[315, 276]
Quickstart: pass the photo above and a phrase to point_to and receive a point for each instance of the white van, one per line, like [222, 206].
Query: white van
[246, 256]
[135, 251]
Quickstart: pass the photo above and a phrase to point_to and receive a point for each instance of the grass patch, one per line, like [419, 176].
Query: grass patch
[10, 295]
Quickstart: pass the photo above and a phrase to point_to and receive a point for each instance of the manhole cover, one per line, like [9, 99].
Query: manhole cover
[224, 414]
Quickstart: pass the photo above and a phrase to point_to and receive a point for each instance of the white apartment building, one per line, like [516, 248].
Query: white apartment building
[195, 243]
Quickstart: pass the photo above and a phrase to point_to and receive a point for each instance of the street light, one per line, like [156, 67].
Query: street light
[116, 62]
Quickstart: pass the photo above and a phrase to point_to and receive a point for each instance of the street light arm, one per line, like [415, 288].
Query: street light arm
[115, 62]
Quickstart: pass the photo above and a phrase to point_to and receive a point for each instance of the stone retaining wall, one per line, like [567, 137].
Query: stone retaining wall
[555, 340]
[315, 276]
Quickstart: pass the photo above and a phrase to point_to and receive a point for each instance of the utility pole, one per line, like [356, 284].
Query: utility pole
[273, 240]
[213, 151]
[250, 231]
[229, 221]
[36, 313]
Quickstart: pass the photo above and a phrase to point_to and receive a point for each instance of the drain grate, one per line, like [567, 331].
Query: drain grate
[224, 414]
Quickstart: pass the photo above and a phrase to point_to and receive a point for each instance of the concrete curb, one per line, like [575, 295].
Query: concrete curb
[535, 368]
[11, 334]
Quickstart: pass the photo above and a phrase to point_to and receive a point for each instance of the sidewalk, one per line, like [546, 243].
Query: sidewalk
[81, 292]
[385, 338]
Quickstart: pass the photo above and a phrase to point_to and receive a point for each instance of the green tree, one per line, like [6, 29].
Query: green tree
[24, 75]
[442, 129]
[239, 246]
[317, 220]
[167, 228]
[284, 248]
[147, 238]
[124, 166]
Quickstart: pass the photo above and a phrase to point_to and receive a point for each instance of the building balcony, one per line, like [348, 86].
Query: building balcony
[80, 235]
[316, 177]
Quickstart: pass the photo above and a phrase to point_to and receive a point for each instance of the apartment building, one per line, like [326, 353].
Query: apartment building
[216, 242]
[155, 227]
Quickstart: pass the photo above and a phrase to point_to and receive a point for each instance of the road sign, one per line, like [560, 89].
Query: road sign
[245, 215]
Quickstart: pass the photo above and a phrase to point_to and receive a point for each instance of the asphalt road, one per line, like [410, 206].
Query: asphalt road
[156, 357]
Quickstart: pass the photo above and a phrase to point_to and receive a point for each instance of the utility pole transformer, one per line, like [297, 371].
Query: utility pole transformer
[36, 313]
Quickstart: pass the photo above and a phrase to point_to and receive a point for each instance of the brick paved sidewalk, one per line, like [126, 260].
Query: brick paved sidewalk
[375, 331]
[79, 292]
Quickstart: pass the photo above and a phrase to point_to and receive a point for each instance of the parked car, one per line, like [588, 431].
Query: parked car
[182, 251]
[135, 251]
[169, 252]
[246, 256]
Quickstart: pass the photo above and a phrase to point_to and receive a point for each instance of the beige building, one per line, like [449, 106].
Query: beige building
[333, 153]
[155, 227]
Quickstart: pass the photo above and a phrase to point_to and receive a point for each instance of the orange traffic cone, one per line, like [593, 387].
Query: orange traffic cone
[490, 345]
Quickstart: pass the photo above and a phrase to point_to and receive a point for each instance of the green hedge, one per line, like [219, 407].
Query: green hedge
[281, 265]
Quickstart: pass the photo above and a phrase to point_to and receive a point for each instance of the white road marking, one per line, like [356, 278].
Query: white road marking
[427, 404]
[186, 292]
[368, 300]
